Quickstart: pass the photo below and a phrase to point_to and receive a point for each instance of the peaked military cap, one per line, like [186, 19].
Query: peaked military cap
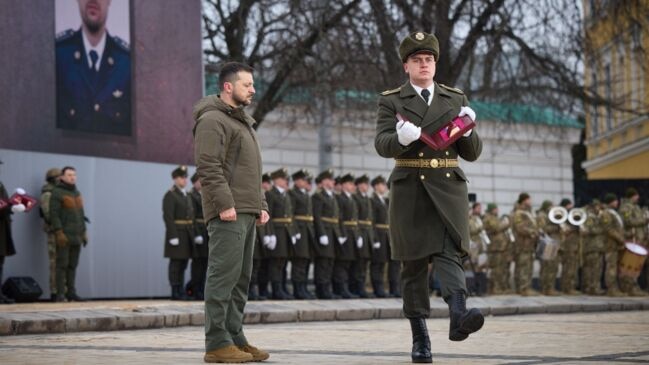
[363, 179]
[378, 180]
[418, 42]
[337, 180]
[194, 177]
[265, 177]
[609, 197]
[281, 173]
[348, 177]
[523, 197]
[180, 171]
[300, 174]
[326, 174]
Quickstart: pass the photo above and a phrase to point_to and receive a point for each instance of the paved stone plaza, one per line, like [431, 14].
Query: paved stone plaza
[575, 338]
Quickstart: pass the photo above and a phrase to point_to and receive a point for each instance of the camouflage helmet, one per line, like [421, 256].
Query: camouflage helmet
[52, 173]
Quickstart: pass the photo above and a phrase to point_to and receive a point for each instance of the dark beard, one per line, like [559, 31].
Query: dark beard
[93, 28]
[240, 102]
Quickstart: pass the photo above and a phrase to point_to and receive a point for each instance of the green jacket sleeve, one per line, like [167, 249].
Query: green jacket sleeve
[55, 211]
[386, 141]
[168, 215]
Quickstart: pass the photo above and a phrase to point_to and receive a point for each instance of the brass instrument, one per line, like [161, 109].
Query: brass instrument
[558, 215]
[577, 216]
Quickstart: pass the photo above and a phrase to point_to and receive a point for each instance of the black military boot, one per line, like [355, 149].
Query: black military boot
[75, 298]
[177, 293]
[420, 341]
[463, 321]
[278, 293]
[252, 293]
[305, 289]
[298, 292]
[395, 291]
[379, 291]
[360, 285]
[321, 292]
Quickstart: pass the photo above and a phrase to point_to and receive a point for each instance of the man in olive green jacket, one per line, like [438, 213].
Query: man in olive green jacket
[526, 232]
[69, 226]
[614, 244]
[51, 180]
[228, 162]
[428, 217]
[635, 230]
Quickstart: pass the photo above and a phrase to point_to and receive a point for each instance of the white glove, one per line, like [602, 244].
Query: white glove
[198, 240]
[376, 245]
[324, 240]
[174, 241]
[407, 132]
[18, 208]
[294, 239]
[342, 240]
[359, 242]
[273, 241]
[298, 236]
[465, 110]
[266, 240]
[20, 191]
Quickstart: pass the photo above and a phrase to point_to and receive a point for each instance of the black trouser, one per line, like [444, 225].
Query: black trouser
[263, 276]
[358, 272]
[394, 272]
[414, 278]
[67, 260]
[377, 270]
[256, 265]
[199, 272]
[323, 270]
[177, 271]
[299, 270]
[341, 271]
[276, 269]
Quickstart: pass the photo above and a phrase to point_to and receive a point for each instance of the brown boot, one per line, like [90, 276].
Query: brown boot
[228, 354]
[636, 292]
[615, 293]
[528, 293]
[550, 292]
[257, 354]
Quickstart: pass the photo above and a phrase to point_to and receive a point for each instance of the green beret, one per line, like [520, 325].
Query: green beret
[631, 192]
[347, 178]
[491, 206]
[523, 197]
[378, 180]
[363, 179]
[418, 42]
[546, 205]
[281, 173]
[180, 171]
[609, 197]
[194, 177]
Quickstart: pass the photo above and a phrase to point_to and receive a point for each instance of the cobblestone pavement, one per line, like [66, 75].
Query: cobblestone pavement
[578, 338]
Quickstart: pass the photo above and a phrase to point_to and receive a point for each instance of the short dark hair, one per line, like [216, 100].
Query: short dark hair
[229, 71]
[63, 170]
[476, 204]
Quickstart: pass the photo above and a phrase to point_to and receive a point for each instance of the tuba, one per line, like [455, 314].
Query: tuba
[558, 215]
[577, 216]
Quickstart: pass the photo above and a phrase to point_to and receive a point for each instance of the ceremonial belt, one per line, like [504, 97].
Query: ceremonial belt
[303, 218]
[420, 163]
[365, 223]
[330, 220]
[200, 220]
[183, 221]
[282, 220]
[382, 226]
[350, 223]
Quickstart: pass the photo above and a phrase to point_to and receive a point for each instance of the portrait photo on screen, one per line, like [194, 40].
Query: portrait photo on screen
[93, 66]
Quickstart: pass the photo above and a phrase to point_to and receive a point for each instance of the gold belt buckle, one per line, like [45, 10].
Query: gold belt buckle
[434, 163]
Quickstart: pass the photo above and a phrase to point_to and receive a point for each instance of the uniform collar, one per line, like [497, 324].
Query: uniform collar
[99, 48]
[431, 88]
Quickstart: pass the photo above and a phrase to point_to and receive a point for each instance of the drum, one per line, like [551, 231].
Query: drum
[547, 248]
[632, 260]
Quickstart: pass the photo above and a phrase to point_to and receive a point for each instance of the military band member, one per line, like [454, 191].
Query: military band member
[200, 247]
[593, 250]
[281, 234]
[350, 240]
[569, 253]
[366, 237]
[428, 217]
[303, 221]
[327, 230]
[51, 180]
[614, 230]
[549, 267]
[381, 242]
[526, 232]
[498, 250]
[179, 237]
[635, 230]
[477, 262]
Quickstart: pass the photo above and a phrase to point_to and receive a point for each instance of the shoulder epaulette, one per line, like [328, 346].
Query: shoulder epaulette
[455, 90]
[121, 43]
[64, 35]
[393, 91]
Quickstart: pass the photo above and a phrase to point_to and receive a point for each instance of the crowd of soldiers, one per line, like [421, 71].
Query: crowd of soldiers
[598, 244]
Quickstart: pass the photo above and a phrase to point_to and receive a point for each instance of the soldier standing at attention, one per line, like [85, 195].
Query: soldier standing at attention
[569, 254]
[228, 161]
[614, 229]
[593, 250]
[428, 217]
[199, 259]
[366, 233]
[635, 226]
[527, 235]
[51, 180]
[260, 261]
[281, 234]
[326, 218]
[179, 231]
[549, 268]
[381, 242]
[498, 250]
[303, 220]
[69, 225]
[350, 241]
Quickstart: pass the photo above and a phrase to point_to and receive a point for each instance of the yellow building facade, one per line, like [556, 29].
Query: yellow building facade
[617, 69]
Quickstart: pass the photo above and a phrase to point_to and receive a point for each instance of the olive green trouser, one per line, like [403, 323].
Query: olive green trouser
[414, 279]
[67, 260]
[51, 253]
[229, 270]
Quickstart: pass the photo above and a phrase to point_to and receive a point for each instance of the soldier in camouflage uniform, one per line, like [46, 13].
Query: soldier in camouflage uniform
[549, 268]
[614, 229]
[527, 234]
[569, 254]
[51, 179]
[476, 262]
[593, 250]
[498, 250]
[366, 235]
[635, 226]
